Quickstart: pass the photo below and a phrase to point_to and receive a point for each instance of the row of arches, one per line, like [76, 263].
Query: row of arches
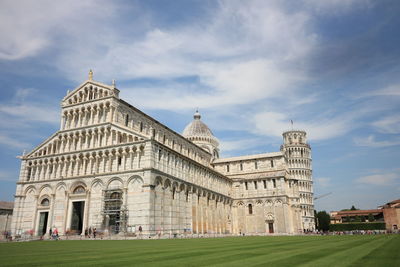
[300, 174]
[294, 137]
[305, 186]
[307, 210]
[174, 164]
[299, 163]
[306, 199]
[80, 186]
[88, 93]
[85, 139]
[57, 201]
[298, 152]
[261, 202]
[87, 115]
[185, 208]
[103, 161]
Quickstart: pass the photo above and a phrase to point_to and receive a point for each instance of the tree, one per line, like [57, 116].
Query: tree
[353, 208]
[371, 217]
[324, 220]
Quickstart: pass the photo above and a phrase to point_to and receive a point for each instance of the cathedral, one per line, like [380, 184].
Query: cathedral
[114, 168]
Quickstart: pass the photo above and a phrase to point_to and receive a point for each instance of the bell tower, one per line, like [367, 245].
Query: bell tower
[298, 155]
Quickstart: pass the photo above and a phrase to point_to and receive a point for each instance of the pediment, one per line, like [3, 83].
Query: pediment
[44, 148]
[89, 91]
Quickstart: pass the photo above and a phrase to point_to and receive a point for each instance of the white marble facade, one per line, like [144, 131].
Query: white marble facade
[114, 168]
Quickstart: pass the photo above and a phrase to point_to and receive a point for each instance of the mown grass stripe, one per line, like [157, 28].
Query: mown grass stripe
[236, 251]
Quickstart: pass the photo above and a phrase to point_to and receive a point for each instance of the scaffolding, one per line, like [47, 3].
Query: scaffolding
[114, 212]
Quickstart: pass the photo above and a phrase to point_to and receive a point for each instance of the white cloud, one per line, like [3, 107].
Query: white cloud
[389, 124]
[391, 90]
[386, 179]
[234, 145]
[21, 116]
[231, 83]
[335, 7]
[32, 112]
[273, 124]
[13, 142]
[27, 27]
[239, 53]
[370, 141]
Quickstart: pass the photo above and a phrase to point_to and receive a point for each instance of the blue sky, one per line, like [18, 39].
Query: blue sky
[249, 66]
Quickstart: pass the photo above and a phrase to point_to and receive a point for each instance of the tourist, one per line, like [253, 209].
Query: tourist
[55, 233]
[94, 233]
[140, 231]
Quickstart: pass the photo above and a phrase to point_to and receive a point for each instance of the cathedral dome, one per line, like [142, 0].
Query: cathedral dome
[197, 128]
[199, 133]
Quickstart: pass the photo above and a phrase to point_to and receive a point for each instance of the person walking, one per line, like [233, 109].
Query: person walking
[140, 231]
[94, 233]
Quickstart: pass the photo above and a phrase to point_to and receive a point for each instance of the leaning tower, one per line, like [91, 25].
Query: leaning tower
[298, 155]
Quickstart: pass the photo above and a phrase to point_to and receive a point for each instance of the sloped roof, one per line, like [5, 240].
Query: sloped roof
[4, 205]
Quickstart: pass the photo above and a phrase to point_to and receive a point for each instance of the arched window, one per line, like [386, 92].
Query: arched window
[29, 173]
[250, 209]
[126, 119]
[45, 202]
[79, 190]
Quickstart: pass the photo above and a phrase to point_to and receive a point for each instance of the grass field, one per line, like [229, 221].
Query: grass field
[380, 250]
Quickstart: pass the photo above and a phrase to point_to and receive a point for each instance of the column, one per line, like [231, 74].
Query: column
[35, 214]
[124, 160]
[86, 213]
[51, 212]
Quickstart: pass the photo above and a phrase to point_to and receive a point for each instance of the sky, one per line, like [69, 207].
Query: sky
[249, 66]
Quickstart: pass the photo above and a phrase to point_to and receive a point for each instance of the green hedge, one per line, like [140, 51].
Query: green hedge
[357, 226]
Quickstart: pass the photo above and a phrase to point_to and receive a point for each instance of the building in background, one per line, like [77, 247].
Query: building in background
[114, 168]
[6, 211]
[345, 216]
[391, 212]
[388, 214]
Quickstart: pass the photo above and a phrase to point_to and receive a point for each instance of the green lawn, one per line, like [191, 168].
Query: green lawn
[379, 250]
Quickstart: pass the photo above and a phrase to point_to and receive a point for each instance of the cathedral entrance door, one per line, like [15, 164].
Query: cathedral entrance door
[77, 216]
[271, 227]
[43, 223]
